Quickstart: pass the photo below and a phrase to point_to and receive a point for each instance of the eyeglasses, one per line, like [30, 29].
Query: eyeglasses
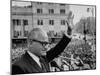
[41, 42]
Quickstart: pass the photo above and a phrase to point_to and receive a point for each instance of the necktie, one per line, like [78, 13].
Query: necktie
[42, 64]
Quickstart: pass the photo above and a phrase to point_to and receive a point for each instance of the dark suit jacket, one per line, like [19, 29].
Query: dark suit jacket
[27, 65]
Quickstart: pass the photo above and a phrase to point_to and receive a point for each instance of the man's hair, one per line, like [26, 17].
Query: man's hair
[36, 34]
[33, 32]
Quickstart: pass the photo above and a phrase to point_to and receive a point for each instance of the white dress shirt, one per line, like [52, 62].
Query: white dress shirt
[34, 57]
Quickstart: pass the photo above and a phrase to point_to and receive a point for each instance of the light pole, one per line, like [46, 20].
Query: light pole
[84, 30]
[92, 11]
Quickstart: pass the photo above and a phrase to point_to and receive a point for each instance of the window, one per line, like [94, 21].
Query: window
[50, 3]
[51, 11]
[63, 22]
[16, 22]
[62, 11]
[62, 4]
[39, 11]
[20, 33]
[51, 22]
[51, 33]
[16, 34]
[39, 22]
[39, 2]
[25, 22]
[25, 33]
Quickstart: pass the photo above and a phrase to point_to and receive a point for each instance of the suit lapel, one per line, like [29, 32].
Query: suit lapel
[32, 62]
[45, 63]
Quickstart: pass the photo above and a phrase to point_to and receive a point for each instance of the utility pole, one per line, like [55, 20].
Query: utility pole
[84, 31]
[91, 10]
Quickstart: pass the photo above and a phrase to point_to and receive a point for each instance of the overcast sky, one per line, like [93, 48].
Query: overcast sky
[81, 11]
[78, 10]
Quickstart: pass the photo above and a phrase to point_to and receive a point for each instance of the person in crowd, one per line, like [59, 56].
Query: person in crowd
[36, 59]
[79, 63]
[74, 62]
[56, 65]
[66, 65]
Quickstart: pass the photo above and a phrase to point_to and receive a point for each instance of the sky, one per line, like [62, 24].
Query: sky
[79, 11]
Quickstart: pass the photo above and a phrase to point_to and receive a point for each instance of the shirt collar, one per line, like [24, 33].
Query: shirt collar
[34, 57]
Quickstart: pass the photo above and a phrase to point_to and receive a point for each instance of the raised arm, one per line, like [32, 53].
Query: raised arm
[54, 52]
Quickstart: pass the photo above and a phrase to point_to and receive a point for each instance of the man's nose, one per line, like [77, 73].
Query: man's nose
[45, 48]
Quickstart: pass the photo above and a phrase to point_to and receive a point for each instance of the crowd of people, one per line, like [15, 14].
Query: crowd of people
[77, 56]
[40, 56]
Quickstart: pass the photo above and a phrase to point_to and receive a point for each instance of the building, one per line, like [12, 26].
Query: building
[51, 17]
[21, 21]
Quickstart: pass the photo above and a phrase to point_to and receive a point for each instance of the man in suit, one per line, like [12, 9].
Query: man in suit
[36, 59]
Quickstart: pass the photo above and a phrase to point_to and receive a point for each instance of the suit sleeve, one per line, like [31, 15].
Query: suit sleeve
[16, 70]
[54, 52]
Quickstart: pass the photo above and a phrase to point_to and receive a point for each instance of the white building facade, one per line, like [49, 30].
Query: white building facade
[51, 17]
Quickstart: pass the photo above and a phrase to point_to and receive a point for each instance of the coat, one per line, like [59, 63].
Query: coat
[26, 64]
